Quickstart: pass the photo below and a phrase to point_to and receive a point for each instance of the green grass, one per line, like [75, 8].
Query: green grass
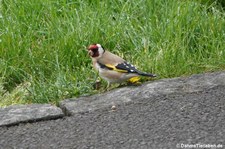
[43, 57]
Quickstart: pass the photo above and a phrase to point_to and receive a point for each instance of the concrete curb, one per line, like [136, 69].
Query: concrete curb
[16, 114]
[194, 83]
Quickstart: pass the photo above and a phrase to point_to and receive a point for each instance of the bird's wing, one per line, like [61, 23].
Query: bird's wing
[126, 67]
[121, 67]
[113, 62]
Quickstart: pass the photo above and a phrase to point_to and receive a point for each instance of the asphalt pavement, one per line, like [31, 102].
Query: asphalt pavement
[174, 120]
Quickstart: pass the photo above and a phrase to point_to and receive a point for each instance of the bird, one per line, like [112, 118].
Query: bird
[111, 67]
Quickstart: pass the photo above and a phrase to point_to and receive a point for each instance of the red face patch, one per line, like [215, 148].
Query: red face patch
[93, 46]
[93, 50]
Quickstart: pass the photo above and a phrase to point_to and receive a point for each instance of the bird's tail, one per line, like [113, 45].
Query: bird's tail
[146, 74]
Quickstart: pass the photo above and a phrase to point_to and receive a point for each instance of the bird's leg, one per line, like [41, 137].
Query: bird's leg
[108, 85]
[97, 83]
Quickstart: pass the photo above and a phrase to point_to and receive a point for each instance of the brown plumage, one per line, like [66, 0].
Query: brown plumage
[111, 67]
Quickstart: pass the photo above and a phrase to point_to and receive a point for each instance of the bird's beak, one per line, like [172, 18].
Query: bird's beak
[91, 53]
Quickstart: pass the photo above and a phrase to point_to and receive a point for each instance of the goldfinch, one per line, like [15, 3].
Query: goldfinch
[111, 67]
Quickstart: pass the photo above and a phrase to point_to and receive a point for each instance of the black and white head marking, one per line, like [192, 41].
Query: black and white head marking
[100, 49]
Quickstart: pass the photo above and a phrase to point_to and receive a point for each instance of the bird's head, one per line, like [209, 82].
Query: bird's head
[95, 50]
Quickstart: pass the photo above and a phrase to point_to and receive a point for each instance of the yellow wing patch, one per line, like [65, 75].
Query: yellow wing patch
[115, 69]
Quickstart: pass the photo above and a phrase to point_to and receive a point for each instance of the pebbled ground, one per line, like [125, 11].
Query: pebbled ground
[160, 121]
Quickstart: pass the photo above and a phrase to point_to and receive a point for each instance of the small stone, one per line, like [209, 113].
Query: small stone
[113, 108]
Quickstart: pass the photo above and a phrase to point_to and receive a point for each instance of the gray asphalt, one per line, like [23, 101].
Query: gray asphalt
[163, 121]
